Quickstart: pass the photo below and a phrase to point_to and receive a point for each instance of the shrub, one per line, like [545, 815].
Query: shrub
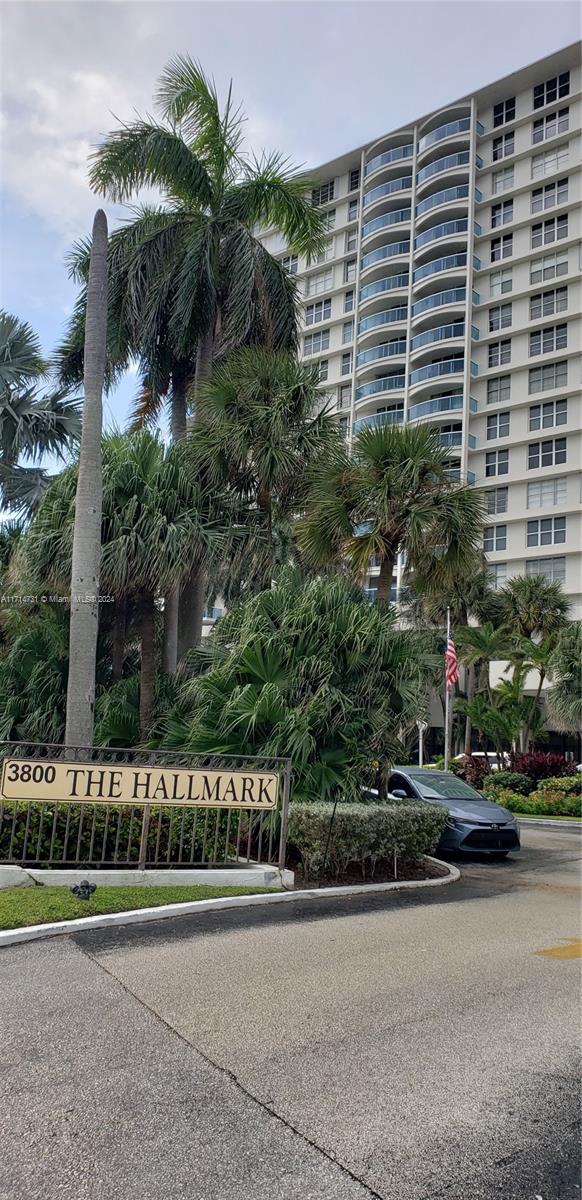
[363, 834]
[543, 766]
[514, 801]
[542, 803]
[571, 784]
[508, 779]
[473, 770]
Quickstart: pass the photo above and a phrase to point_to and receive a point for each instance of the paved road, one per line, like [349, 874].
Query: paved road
[408, 1049]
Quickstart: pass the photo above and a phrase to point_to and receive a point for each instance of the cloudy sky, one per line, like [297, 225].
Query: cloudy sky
[316, 78]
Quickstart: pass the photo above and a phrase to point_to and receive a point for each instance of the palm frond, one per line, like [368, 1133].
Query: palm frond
[145, 154]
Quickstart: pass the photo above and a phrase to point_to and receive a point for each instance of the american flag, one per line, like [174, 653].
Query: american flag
[451, 664]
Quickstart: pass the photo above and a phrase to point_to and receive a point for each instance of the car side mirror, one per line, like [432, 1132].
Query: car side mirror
[399, 793]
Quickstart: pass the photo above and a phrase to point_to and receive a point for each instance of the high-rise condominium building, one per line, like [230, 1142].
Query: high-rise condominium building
[450, 293]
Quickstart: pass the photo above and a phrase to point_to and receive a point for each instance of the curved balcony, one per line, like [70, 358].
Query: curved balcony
[450, 262]
[387, 284]
[455, 473]
[390, 250]
[387, 189]
[373, 420]
[447, 196]
[439, 405]
[436, 370]
[437, 299]
[388, 157]
[382, 350]
[440, 334]
[386, 383]
[451, 129]
[388, 316]
[397, 217]
[450, 162]
[448, 229]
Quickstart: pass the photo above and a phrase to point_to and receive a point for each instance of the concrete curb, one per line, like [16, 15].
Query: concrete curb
[155, 877]
[543, 822]
[10, 937]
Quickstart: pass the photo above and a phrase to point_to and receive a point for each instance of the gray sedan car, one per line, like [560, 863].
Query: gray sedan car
[474, 823]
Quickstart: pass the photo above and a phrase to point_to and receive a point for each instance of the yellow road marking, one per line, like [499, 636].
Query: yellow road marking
[572, 949]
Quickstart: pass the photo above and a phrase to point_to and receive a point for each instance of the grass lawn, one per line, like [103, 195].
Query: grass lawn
[544, 817]
[39, 905]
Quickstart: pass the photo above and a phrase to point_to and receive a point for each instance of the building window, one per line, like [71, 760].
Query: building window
[323, 367]
[353, 210]
[546, 454]
[500, 317]
[354, 179]
[320, 311]
[351, 240]
[314, 343]
[348, 331]
[500, 282]
[549, 195]
[504, 112]
[499, 389]
[549, 161]
[544, 379]
[344, 395]
[546, 493]
[502, 146]
[546, 531]
[501, 214]
[329, 219]
[324, 193]
[548, 126]
[545, 416]
[346, 366]
[553, 89]
[501, 247]
[497, 573]
[350, 271]
[499, 353]
[495, 538]
[316, 284]
[348, 302]
[497, 425]
[548, 340]
[497, 500]
[496, 463]
[553, 569]
[344, 424]
[291, 263]
[545, 304]
[502, 180]
[549, 267]
[326, 253]
[552, 230]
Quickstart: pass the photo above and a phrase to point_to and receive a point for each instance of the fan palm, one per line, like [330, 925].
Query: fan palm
[31, 424]
[394, 493]
[534, 606]
[565, 696]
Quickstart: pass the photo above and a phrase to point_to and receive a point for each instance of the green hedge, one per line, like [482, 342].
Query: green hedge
[363, 835]
[545, 802]
[512, 780]
[569, 784]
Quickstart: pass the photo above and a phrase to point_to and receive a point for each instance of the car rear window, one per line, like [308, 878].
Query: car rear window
[446, 786]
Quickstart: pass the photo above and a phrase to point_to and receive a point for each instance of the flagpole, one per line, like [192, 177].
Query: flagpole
[447, 698]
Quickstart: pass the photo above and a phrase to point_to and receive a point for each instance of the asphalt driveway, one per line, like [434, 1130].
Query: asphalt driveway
[409, 1048]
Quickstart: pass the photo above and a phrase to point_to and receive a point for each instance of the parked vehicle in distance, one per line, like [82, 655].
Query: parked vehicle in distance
[491, 757]
[474, 823]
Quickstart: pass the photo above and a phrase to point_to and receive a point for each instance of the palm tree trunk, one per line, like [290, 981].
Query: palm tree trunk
[192, 598]
[86, 560]
[385, 579]
[148, 664]
[470, 697]
[524, 740]
[178, 405]
[118, 648]
[172, 597]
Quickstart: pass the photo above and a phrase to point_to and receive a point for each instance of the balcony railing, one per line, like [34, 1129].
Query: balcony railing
[438, 404]
[391, 250]
[447, 366]
[383, 350]
[387, 189]
[449, 163]
[449, 262]
[386, 383]
[387, 317]
[394, 417]
[455, 438]
[440, 334]
[455, 473]
[383, 285]
[450, 296]
[389, 156]
[447, 229]
[446, 196]
[397, 217]
[444, 131]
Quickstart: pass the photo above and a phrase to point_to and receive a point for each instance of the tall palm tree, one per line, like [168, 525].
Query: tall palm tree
[565, 696]
[262, 428]
[394, 493]
[534, 606]
[31, 424]
[86, 554]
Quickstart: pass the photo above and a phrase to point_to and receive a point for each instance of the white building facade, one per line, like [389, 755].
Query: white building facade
[450, 293]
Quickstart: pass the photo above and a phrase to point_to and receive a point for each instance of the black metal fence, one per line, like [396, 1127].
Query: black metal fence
[103, 834]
